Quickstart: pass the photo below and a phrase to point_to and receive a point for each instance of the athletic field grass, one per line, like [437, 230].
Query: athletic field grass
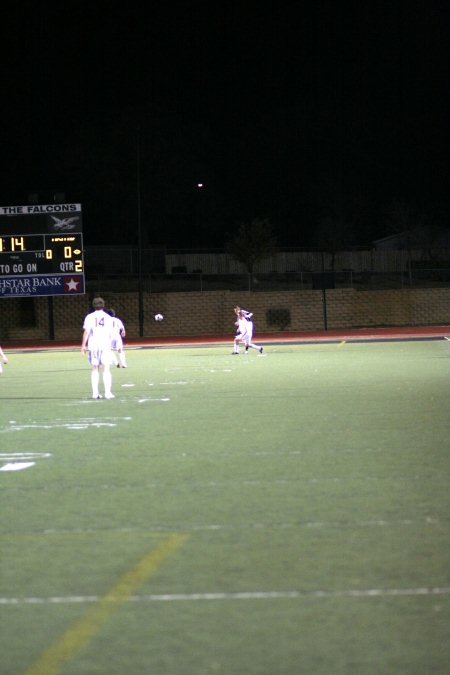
[276, 514]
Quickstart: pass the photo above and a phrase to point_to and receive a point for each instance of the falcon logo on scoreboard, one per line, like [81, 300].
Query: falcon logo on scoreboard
[64, 223]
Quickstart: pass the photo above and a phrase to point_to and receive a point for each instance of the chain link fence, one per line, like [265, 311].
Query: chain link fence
[273, 281]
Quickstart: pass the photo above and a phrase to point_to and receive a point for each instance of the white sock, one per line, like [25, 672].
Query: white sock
[94, 382]
[107, 381]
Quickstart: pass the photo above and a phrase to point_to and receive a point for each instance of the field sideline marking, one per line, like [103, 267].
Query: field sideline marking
[75, 637]
[82, 423]
[243, 595]
[18, 461]
[250, 482]
[205, 527]
[13, 456]
[17, 466]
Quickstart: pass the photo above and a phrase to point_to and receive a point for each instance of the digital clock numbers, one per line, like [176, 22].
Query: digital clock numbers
[11, 244]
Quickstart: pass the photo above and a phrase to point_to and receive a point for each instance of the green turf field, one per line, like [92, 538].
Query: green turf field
[275, 514]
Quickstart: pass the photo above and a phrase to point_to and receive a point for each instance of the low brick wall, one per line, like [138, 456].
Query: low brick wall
[211, 313]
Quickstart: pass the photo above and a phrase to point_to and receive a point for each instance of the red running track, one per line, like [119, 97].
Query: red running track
[355, 334]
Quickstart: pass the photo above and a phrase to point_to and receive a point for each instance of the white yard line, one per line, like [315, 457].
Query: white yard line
[217, 527]
[82, 423]
[242, 595]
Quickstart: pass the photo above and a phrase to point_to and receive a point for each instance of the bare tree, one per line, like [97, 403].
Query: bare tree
[331, 237]
[253, 242]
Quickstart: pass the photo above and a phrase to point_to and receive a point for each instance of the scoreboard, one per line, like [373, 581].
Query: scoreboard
[41, 250]
[41, 253]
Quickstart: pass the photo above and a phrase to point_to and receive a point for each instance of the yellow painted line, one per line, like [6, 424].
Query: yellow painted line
[342, 343]
[65, 648]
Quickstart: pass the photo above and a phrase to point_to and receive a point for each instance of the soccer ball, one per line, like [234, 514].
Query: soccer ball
[159, 317]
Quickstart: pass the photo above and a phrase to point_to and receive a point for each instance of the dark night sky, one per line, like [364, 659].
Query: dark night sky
[292, 111]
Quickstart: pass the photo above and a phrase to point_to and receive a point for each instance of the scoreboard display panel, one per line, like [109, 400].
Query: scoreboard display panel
[41, 250]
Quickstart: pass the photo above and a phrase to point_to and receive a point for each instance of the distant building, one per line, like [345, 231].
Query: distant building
[418, 238]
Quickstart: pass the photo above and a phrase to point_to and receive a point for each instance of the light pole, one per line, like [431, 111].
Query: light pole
[139, 233]
[200, 187]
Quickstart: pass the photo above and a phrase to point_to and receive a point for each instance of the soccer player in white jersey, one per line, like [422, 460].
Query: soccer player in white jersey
[245, 331]
[97, 336]
[117, 340]
[3, 359]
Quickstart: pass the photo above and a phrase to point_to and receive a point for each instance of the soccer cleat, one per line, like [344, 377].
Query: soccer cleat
[109, 395]
[260, 350]
[96, 396]
[234, 353]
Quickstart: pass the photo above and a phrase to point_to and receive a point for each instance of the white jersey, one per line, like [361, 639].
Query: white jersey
[98, 325]
[118, 329]
[245, 328]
